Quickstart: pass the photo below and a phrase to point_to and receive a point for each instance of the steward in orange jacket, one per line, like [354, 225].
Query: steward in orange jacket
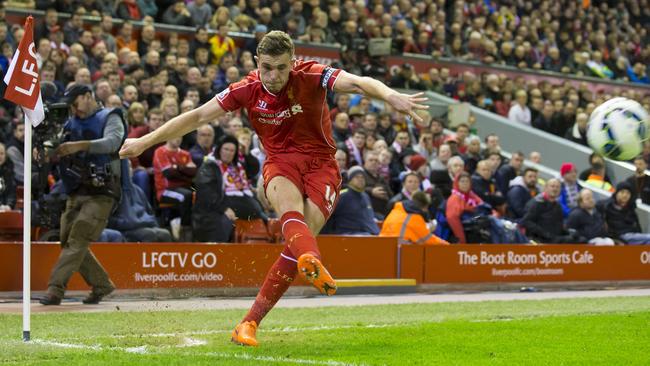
[406, 221]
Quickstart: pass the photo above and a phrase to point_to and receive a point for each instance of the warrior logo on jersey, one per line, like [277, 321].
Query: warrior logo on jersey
[261, 104]
[223, 94]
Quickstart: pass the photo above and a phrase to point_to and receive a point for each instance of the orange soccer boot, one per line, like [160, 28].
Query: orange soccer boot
[244, 334]
[312, 270]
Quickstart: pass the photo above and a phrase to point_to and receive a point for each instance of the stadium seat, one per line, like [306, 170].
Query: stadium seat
[11, 225]
[251, 231]
[19, 198]
[275, 230]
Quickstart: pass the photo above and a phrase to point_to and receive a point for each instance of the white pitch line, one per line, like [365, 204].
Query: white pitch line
[65, 345]
[270, 330]
[281, 360]
[190, 342]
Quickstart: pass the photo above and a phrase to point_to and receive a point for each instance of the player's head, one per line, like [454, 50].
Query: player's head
[275, 56]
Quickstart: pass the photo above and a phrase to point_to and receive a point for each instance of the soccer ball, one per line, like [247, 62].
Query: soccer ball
[618, 128]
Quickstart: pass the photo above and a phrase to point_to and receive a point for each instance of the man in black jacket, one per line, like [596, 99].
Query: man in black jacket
[353, 214]
[522, 190]
[587, 221]
[543, 219]
[484, 185]
[620, 216]
[640, 181]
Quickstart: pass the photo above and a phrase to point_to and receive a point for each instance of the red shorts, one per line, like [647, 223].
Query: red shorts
[317, 178]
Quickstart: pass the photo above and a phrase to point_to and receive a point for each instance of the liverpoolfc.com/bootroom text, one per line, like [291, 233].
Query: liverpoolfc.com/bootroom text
[527, 272]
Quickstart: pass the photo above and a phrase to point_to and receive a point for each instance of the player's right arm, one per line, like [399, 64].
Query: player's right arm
[176, 127]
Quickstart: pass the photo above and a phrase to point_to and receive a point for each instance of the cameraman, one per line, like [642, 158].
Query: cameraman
[90, 170]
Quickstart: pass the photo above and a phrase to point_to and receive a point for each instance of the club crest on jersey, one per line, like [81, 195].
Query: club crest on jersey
[295, 109]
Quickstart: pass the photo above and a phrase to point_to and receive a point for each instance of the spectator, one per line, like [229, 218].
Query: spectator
[73, 28]
[407, 78]
[135, 115]
[204, 144]
[408, 222]
[376, 186]
[148, 8]
[620, 216]
[597, 177]
[353, 214]
[341, 157]
[200, 12]
[462, 201]
[440, 161]
[177, 14]
[522, 189]
[212, 219]
[236, 188]
[129, 10]
[587, 221]
[473, 154]
[544, 220]
[484, 185]
[544, 121]
[125, 37]
[16, 150]
[355, 147]
[640, 180]
[410, 184]
[7, 183]
[508, 172]
[106, 34]
[143, 164]
[133, 217]
[341, 128]
[519, 112]
[173, 173]
[425, 146]
[444, 179]
[578, 133]
[570, 188]
[245, 157]
[221, 44]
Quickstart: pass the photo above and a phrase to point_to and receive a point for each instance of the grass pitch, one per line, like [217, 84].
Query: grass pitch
[586, 331]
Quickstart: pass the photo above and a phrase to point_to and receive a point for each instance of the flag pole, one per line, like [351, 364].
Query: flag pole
[27, 215]
[24, 89]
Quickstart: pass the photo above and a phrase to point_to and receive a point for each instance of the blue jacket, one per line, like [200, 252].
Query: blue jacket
[518, 196]
[353, 215]
[564, 199]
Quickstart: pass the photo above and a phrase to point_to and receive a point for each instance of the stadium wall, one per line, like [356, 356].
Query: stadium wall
[211, 265]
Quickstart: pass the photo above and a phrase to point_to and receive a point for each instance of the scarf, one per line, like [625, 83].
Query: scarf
[234, 180]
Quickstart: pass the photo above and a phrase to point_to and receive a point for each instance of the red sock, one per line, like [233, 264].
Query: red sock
[297, 236]
[276, 283]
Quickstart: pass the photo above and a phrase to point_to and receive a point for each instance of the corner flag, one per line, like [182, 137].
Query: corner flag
[23, 85]
[24, 89]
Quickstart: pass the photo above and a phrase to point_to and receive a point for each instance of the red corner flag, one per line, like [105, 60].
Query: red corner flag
[23, 86]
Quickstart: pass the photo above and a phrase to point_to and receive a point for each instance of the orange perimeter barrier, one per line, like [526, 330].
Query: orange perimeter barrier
[207, 265]
[535, 263]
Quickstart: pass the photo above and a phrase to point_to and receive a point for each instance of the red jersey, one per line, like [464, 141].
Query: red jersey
[297, 119]
[164, 159]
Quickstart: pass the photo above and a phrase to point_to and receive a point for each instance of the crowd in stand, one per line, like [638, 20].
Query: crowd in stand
[394, 170]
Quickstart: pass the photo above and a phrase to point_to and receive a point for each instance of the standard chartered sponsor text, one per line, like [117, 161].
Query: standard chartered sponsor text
[514, 272]
[178, 277]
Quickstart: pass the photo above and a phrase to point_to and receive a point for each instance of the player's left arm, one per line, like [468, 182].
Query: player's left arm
[404, 103]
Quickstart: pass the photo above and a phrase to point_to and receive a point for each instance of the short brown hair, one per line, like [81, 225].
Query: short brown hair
[275, 43]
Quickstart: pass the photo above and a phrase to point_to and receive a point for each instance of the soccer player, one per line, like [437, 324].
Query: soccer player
[286, 102]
